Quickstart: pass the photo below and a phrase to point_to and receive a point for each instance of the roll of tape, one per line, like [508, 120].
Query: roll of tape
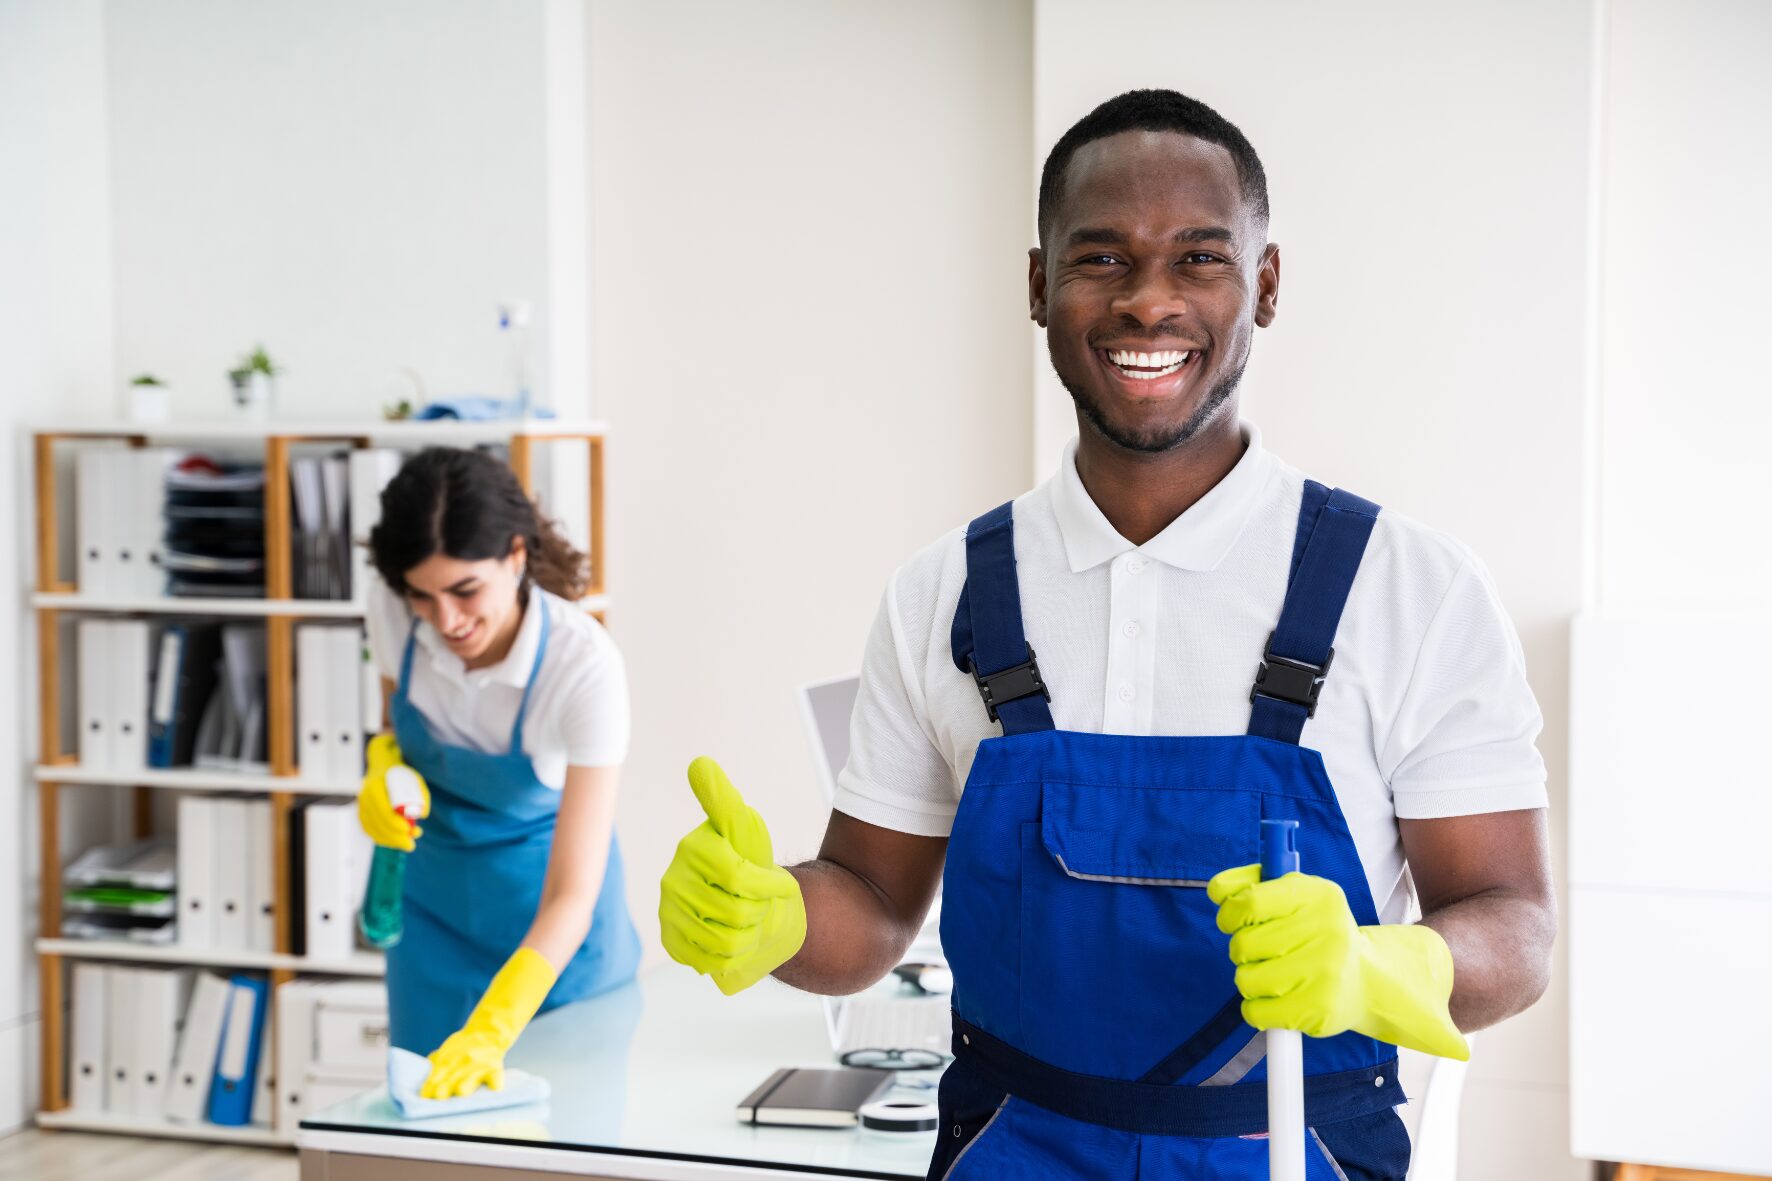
[898, 1115]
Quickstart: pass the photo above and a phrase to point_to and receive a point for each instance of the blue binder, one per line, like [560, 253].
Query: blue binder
[184, 678]
[242, 1040]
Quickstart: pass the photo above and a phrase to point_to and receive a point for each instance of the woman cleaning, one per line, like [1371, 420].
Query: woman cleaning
[511, 704]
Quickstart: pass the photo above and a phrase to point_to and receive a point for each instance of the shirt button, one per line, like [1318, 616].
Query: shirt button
[1127, 693]
[1136, 566]
[1131, 627]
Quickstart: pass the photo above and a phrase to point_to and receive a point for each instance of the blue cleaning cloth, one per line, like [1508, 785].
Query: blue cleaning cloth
[407, 1072]
[479, 408]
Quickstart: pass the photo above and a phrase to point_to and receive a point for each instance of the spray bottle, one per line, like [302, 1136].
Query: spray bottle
[380, 920]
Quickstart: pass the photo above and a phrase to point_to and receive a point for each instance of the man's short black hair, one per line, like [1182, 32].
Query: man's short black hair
[1151, 110]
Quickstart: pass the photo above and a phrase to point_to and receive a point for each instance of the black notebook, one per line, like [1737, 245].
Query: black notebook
[813, 1098]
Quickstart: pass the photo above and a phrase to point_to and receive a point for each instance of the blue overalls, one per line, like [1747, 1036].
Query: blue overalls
[1097, 1031]
[474, 881]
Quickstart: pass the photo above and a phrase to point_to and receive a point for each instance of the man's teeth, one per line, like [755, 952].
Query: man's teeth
[1145, 366]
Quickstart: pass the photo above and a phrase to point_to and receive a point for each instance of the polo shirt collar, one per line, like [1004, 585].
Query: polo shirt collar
[1198, 539]
[514, 669]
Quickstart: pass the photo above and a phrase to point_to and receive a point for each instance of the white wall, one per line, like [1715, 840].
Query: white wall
[809, 222]
[1427, 166]
[355, 185]
[1678, 578]
[1684, 415]
[55, 350]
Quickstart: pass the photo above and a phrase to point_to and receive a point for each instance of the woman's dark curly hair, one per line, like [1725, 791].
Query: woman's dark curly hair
[469, 506]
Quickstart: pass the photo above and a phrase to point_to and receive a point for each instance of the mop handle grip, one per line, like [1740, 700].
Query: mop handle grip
[1285, 1050]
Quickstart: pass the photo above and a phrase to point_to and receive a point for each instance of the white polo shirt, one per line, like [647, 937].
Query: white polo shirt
[1425, 713]
[578, 710]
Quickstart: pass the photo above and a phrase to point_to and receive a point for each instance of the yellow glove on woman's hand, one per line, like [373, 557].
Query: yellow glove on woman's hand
[726, 909]
[374, 810]
[1304, 963]
[474, 1055]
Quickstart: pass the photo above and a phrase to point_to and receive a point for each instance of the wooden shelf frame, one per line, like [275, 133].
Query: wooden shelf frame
[56, 596]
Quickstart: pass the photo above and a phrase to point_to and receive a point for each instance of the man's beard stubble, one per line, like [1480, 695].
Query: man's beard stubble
[1151, 443]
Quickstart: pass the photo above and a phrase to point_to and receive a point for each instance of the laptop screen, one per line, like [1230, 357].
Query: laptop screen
[825, 707]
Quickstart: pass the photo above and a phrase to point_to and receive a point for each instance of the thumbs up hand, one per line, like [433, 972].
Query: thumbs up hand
[726, 909]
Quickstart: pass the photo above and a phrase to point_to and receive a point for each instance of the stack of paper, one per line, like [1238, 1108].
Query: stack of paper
[121, 892]
[215, 529]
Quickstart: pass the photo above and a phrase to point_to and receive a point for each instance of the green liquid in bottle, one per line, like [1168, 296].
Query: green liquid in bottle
[379, 920]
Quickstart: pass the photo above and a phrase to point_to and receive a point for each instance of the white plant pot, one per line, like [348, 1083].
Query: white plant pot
[149, 403]
[254, 396]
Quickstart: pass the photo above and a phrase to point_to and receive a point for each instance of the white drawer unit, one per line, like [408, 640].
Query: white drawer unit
[1670, 798]
[332, 1043]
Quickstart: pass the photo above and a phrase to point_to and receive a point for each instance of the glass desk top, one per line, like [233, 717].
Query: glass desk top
[652, 1071]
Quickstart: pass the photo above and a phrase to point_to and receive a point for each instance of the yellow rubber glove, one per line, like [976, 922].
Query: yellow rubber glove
[474, 1055]
[376, 814]
[726, 909]
[1304, 963]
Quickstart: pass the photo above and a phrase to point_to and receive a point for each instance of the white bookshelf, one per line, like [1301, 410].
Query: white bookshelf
[192, 780]
[77, 604]
[165, 605]
[90, 1121]
[56, 597]
[364, 963]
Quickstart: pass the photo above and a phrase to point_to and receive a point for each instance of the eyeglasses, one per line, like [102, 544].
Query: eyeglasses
[893, 1059]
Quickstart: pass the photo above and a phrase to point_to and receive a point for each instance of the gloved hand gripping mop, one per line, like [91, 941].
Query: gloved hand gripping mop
[1305, 964]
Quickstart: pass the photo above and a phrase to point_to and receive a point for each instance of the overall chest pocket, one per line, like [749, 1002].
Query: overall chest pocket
[1121, 956]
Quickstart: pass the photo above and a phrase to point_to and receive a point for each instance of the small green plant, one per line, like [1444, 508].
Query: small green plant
[146, 379]
[257, 361]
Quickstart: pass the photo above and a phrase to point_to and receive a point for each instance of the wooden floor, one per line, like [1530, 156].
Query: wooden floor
[81, 1156]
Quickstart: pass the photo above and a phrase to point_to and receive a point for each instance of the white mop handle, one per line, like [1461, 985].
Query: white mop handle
[1285, 1049]
[1285, 1105]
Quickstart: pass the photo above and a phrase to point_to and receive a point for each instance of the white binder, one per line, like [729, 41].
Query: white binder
[139, 522]
[93, 696]
[197, 856]
[344, 703]
[295, 1048]
[94, 520]
[86, 1050]
[198, 1044]
[261, 879]
[128, 694]
[371, 469]
[264, 1094]
[160, 995]
[230, 878]
[337, 854]
[312, 716]
[120, 1015]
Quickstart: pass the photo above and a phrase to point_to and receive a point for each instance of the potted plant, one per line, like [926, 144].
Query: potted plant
[149, 399]
[255, 387]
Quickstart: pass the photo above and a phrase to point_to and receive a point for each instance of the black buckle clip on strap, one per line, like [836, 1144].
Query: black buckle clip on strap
[1012, 684]
[1285, 679]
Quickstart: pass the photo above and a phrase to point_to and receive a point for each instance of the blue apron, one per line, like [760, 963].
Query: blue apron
[474, 881]
[1097, 1031]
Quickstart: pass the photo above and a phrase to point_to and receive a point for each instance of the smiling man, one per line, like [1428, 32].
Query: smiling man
[1087, 701]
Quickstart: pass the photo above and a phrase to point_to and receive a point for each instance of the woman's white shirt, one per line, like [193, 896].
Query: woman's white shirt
[578, 710]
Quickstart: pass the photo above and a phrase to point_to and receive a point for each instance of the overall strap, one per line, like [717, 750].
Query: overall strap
[1333, 528]
[987, 636]
[541, 650]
